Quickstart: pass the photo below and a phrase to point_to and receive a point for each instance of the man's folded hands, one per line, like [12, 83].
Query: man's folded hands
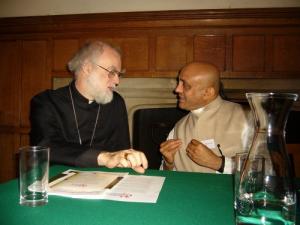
[128, 158]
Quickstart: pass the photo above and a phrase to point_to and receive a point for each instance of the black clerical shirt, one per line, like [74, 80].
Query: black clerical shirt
[53, 124]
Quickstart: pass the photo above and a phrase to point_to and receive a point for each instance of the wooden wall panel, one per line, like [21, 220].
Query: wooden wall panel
[249, 53]
[135, 51]
[9, 83]
[63, 50]
[172, 52]
[286, 53]
[8, 158]
[35, 74]
[24, 140]
[136, 54]
[294, 149]
[210, 48]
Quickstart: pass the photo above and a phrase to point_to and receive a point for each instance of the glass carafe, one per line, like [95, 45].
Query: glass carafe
[268, 198]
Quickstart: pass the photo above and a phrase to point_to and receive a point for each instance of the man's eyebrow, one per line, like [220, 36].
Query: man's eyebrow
[184, 81]
[112, 67]
[181, 79]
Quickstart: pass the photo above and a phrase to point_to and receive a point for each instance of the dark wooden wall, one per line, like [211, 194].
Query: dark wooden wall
[243, 43]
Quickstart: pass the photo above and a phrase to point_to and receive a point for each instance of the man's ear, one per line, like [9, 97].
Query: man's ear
[209, 93]
[87, 68]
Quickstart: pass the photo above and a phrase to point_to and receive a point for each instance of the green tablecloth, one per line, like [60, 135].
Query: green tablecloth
[185, 199]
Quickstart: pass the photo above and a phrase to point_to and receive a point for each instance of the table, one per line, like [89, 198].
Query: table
[185, 199]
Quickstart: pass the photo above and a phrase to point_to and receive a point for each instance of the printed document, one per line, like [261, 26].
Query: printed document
[106, 185]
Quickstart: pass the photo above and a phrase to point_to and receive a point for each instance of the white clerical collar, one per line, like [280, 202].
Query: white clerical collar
[198, 111]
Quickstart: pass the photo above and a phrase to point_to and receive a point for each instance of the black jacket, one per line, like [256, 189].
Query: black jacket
[53, 125]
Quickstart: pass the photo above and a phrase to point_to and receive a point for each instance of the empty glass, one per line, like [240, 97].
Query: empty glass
[33, 179]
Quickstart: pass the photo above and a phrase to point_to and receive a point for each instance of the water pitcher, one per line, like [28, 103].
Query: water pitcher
[268, 197]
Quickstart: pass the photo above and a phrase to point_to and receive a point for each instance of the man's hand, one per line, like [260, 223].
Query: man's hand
[168, 150]
[129, 158]
[202, 155]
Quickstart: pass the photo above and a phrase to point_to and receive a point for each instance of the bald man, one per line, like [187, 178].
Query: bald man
[214, 130]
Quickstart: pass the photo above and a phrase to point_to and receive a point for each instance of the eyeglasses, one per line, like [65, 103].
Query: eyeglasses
[112, 73]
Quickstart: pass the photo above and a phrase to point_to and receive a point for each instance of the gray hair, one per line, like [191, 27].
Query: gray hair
[88, 52]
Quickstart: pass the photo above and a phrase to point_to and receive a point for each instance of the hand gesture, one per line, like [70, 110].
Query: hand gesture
[129, 158]
[168, 150]
[202, 155]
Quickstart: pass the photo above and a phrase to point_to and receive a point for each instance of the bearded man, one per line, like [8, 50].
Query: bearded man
[85, 123]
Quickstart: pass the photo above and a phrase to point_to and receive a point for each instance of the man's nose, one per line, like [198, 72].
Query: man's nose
[116, 79]
[178, 88]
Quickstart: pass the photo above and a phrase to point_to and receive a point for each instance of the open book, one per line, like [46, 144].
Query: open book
[106, 185]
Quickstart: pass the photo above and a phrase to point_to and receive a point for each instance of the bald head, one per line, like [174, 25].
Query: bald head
[206, 74]
[198, 85]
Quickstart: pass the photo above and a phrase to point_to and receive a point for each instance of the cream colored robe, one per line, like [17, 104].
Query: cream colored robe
[225, 122]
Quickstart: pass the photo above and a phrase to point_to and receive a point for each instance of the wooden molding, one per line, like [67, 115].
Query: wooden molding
[142, 20]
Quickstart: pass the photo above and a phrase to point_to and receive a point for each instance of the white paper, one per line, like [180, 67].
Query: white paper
[136, 188]
[84, 184]
[107, 185]
[210, 143]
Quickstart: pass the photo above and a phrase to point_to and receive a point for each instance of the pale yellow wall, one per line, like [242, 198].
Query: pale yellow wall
[13, 8]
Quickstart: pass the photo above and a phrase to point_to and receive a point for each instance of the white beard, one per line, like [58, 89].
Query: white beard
[101, 95]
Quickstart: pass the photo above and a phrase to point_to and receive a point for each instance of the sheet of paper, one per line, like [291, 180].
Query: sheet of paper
[107, 185]
[136, 188]
[84, 184]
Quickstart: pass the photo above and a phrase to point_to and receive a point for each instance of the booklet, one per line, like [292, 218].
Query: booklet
[106, 185]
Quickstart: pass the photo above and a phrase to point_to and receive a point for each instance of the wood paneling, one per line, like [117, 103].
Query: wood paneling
[211, 49]
[243, 43]
[63, 50]
[24, 71]
[135, 52]
[8, 148]
[248, 53]
[9, 83]
[172, 53]
[24, 141]
[294, 149]
[35, 74]
[286, 55]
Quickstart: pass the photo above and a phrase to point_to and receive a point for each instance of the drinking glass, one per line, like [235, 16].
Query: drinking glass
[33, 175]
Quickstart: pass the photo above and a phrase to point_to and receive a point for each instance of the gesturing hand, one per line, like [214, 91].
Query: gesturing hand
[129, 158]
[168, 150]
[202, 155]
